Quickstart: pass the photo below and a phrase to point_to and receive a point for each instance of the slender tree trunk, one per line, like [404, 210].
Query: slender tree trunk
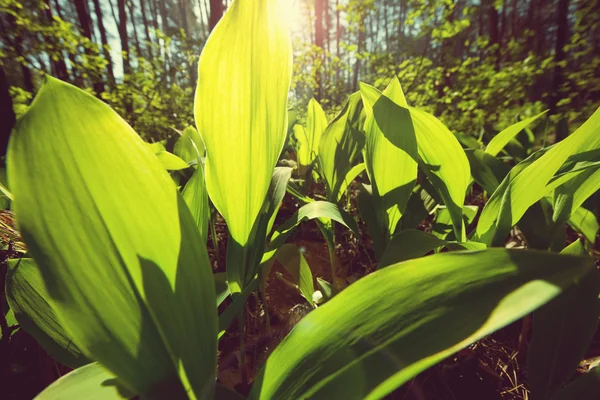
[216, 12]
[146, 29]
[125, 49]
[59, 67]
[7, 114]
[136, 39]
[165, 27]
[493, 20]
[203, 18]
[85, 24]
[319, 42]
[104, 41]
[361, 40]
[562, 33]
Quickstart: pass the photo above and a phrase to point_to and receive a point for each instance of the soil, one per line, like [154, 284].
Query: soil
[493, 368]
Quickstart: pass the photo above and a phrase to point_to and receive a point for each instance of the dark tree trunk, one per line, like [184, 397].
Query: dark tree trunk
[85, 24]
[146, 29]
[562, 33]
[494, 32]
[7, 115]
[125, 49]
[104, 41]
[216, 12]
[59, 67]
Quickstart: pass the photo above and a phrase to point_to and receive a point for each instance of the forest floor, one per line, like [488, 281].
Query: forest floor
[491, 369]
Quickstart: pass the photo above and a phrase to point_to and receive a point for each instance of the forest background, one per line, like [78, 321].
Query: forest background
[477, 65]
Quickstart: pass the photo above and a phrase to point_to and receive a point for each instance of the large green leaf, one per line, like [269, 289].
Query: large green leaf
[340, 144]
[390, 153]
[118, 249]
[92, 382]
[532, 180]
[316, 123]
[389, 326]
[195, 196]
[34, 310]
[562, 332]
[442, 158]
[243, 261]
[244, 74]
[498, 142]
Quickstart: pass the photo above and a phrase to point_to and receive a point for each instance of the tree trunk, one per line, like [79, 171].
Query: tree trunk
[85, 24]
[7, 114]
[494, 33]
[146, 29]
[319, 42]
[562, 32]
[361, 39]
[104, 41]
[136, 38]
[125, 49]
[59, 67]
[165, 27]
[216, 12]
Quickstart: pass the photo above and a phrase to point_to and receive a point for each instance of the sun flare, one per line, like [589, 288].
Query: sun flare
[295, 15]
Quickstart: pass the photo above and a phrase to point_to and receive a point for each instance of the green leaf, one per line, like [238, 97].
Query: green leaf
[351, 176]
[35, 312]
[562, 331]
[390, 155]
[195, 196]
[498, 142]
[445, 164]
[243, 261]
[221, 287]
[189, 146]
[409, 244]
[128, 274]
[442, 159]
[585, 387]
[91, 382]
[442, 223]
[487, 170]
[340, 144]
[316, 123]
[368, 212]
[316, 209]
[586, 223]
[241, 108]
[168, 160]
[533, 180]
[570, 195]
[391, 325]
[292, 259]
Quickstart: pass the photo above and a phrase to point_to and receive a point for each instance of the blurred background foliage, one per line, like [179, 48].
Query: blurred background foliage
[479, 65]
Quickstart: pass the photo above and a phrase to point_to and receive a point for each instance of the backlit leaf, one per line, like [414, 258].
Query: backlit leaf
[119, 252]
[391, 325]
[241, 108]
